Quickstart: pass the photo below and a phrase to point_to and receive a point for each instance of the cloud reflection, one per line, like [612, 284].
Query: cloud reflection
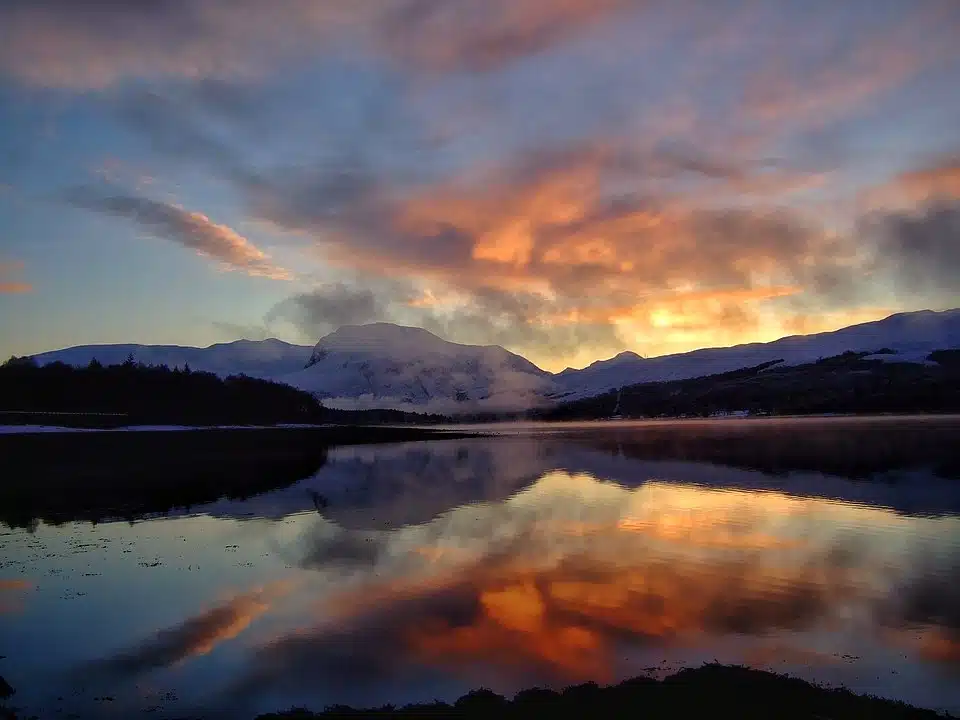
[198, 635]
[11, 594]
[556, 583]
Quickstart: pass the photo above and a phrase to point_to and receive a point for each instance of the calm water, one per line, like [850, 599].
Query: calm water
[410, 572]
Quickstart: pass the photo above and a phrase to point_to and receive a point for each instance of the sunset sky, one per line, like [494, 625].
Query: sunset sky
[566, 178]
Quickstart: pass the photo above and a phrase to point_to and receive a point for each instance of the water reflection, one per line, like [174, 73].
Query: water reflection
[427, 569]
[562, 581]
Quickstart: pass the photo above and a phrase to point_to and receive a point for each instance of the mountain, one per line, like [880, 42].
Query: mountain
[385, 365]
[910, 337]
[257, 358]
[389, 366]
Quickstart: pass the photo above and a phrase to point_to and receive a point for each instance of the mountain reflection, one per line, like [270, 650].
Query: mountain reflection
[911, 466]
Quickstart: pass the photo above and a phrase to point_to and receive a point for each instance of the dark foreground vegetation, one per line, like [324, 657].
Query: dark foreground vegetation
[712, 691]
[132, 393]
[59, 477]
[847, 383]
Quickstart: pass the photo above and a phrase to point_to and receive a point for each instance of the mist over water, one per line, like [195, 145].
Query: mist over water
[542, 556]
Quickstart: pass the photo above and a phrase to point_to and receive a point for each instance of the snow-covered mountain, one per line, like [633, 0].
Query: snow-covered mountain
[257, 358]
[385, 365]
[911, 337]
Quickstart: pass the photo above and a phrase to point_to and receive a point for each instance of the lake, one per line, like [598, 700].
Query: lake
[543, 555]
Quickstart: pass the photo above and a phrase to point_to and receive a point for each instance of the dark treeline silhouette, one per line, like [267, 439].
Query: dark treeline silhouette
[711, 691]
[61, 477]
[133, 393]
[853, 448]
[846, 383]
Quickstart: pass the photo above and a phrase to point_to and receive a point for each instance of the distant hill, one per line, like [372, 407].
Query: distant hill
[858, 383]
[256, 358]
[909, 337]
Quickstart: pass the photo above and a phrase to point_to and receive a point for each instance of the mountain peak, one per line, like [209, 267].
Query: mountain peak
[382, 337]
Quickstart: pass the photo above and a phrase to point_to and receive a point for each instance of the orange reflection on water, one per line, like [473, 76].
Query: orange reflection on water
[570, 621]
[941, 646]
[13, 604]
[562, 579]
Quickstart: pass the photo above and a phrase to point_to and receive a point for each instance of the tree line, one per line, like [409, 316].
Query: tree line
[151, 394]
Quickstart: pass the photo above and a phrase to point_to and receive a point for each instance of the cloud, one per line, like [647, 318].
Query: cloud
[935, 182]
[191, 229]
[545, 255]
[920, 249]
[941, 180]
[488, 155]
[55, 43]
[319, 311]
[8, 285]
[478, 36]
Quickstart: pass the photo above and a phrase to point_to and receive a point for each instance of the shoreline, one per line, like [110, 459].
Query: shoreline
[100, 475]
[711, 690]
[445, 428]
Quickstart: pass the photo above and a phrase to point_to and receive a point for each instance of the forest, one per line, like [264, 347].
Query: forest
[132, 393]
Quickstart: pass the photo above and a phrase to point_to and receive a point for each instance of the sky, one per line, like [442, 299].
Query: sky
[566, 178]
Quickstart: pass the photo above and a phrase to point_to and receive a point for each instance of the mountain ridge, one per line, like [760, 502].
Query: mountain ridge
[401, 367]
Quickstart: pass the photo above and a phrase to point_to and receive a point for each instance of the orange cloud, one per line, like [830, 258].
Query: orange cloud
[191, 229]
[551, 227]
[12, 286]
[936, 181]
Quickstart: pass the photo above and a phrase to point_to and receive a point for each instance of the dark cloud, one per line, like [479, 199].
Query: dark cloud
[178, 124]
[484, 316]
[920, 249]
[190, 229]
[523, 321]
[319, 311]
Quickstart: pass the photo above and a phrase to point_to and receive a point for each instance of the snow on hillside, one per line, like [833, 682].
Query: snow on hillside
[257, 358]
[389, 366]
[385, 365]
[912, 336]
